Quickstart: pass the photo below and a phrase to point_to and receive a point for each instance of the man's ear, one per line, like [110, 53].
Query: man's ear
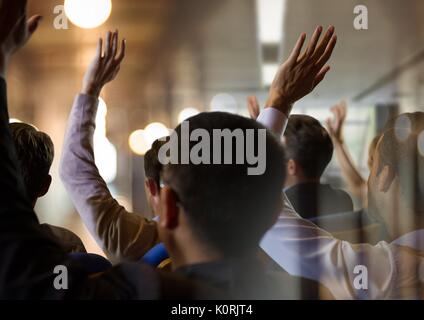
[169, 215]
[385, 179]
[45, 187]
[152, 186]
[291, 167]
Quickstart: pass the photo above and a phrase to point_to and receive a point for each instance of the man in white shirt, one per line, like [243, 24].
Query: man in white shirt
[384, 271]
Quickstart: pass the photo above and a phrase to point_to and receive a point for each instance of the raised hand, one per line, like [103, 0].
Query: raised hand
[302, 72]
[105, 65]
[335, 124]
[15, 29]
[253, 107]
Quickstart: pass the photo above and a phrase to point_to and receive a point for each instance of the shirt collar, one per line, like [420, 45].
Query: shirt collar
[221, 273]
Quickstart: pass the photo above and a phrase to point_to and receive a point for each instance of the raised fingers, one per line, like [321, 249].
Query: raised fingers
[121, 54]
[321, 75]
[343, 112]
[99, 50]
[297, 49]
[314, 41]
[108, 46]
[320, 49]
[327, 53]
[114, 44]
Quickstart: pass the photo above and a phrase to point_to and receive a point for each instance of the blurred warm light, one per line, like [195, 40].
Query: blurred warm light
[270, 20]
[101, 119]
[187, 113]
[155, 131]
[224, 102]
[268, 73]
[141, 141]
[88, 14]
[105, 154]
[106, 159]
[138, 142]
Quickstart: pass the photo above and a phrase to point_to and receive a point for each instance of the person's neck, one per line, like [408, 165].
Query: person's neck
[194, 254]
[295, 180]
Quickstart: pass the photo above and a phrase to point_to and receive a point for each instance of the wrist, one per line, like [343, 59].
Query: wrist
[280, 103]
[91, 90]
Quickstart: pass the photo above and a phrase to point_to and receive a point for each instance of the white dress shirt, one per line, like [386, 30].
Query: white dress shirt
[361, 271]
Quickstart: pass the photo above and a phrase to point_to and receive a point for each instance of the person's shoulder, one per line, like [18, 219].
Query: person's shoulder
[67, 239]
[336, 194]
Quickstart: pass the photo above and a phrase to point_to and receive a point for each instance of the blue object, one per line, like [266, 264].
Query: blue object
[155, 255]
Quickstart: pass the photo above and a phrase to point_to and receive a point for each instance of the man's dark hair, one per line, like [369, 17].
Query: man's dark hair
[227, 208]
[152, 165]
[35, 153]
[401, 147]
[309, 144]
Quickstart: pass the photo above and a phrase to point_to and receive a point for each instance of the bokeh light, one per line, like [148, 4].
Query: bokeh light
[138, 142]
[187, 113]
[155, 131]
[224, 102]
[88, 14]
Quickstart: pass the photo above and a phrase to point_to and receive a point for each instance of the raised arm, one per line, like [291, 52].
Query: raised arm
[123, 236]
[356, 183]
[297, 245]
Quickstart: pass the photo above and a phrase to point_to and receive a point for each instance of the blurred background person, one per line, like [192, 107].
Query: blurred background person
[356, 183]
[309, 151]
[35, 152]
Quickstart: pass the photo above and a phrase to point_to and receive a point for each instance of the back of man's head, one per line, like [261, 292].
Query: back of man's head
[227, 208]
[401, 147]
[308, 143]
[152, 165]
[35, 153]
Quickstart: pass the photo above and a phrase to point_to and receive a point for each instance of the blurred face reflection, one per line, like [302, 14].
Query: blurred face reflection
[376, 197]
[383, 192]
[371, 152]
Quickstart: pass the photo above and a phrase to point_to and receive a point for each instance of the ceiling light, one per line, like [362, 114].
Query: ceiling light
[271, 15]
[88, 14]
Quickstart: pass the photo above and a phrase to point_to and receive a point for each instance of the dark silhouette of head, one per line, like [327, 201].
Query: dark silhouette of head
[219, 209]
[309, 149]
[35, 153]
